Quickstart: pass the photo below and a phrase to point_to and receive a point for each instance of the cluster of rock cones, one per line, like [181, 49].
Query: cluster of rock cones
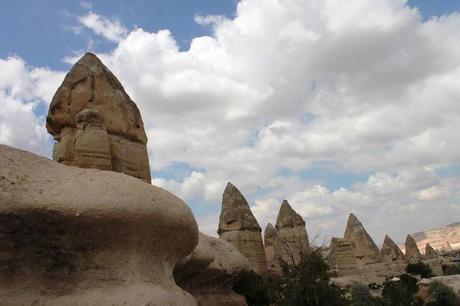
[71, 234]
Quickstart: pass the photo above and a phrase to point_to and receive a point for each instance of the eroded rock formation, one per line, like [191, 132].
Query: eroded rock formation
[238, 226]
[95, 123]
[292, 235]
[444, 237]
[430, 252]
[74, 236]
[393, 257]
[412, 252]
[270, 242]
[210, 271]
[342, 258]
[369, 261]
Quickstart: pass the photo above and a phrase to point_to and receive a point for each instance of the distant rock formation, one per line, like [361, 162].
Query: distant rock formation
[393, 257]
[238, 226]
[292, 235]
[369, 261]
[210, 272]
[72, 236]
[430, 252]
[412, 252]
[440, 238]
[96, 124]
[270, 242]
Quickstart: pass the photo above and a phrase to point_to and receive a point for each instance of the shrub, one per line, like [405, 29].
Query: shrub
[400, 293]
[451, 269]
[442, 295]
[253, 287]
[420, 268]
[361, 296]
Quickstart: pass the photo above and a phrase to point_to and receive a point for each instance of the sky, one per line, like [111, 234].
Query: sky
[337, 106]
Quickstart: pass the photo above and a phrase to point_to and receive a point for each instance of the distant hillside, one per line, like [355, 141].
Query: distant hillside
[439, 237]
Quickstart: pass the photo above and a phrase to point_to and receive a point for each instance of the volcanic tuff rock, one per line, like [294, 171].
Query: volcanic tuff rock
[270, 242]
[430, 252]
[440, 238]
[342, 259]
[238, 226]
[210, 272]
[292, 235]
[95, 123]
[73, 236]
[393, 256]
[411, 248]
[369, 261]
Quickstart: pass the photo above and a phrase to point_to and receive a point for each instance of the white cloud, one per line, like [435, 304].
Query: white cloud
[363, 86]
[112, 30]
[86, 5]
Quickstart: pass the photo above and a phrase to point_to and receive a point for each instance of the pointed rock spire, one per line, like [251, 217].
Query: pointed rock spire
[236, 214]
[238, 226]
[270, 241]
[391, 250]
[356, 233]
[287, 217]
[95, 123]
[412, 251]
[269, 233]
[430, 251]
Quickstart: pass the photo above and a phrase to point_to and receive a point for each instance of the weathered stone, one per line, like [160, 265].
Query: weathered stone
[95, 122]
[412, 252]
[292, 235]
[342, 258]
[430, 252]
[73, 236]
[270, 241]
[238, 226]
[452, 281]
[210, 272]
[393, 257]
[447, 237]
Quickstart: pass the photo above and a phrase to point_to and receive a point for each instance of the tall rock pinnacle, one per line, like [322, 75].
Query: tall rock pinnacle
[270, 243]
[95, 122]
[356, 233]
[393, 256]
[238, 226]
[412, 251]
[430, 252]
[292, 235]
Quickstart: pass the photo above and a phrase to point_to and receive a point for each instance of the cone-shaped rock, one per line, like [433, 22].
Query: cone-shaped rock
[95, 123]
[393, 256]
[412, 251]
[238, 226]
[368, 257]
[342, 259]
[292, 235]
[429, 251]
[270, 241]
[356, 232]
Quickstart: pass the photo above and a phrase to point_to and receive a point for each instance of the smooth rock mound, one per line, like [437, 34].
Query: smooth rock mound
[95, 123]
[74, 236]
[210, 272]
[238, 226]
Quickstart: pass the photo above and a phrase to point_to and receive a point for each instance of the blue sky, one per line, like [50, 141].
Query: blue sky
[230, 104]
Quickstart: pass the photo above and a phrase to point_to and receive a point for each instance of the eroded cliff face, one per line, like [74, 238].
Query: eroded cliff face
[95, 123]
[238, 226]
[440, 238]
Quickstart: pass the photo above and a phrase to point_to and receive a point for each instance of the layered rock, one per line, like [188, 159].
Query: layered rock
[95, 123]
[210, 271]
[270, 242]
[443, 237]
[369, 261]
[393, 257]
[430, 252]
[342, 258]
[292, 235]
[412, 252]
[72, 236]
[238, 226]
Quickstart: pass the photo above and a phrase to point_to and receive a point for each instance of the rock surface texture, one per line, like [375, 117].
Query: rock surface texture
[210, 271]
[75, 236]
[369, 260]
[95, 123]
[342, 258]
[430, 252]
[393, 256]
[443, 237]
[292, 235]
[411, 249]
[238, 226]
[270, 242]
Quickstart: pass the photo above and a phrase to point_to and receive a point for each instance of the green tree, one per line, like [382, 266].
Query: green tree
[451, 269]
[254, 287]
[401, 292]
[361, 296]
